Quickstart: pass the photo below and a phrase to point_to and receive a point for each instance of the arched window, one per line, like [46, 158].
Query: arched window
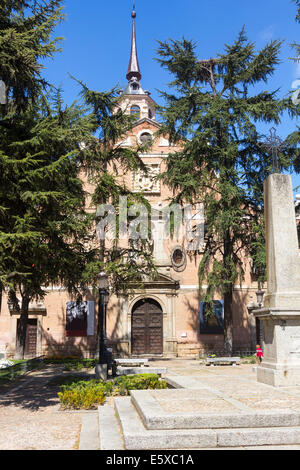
[135, 86]
[145, 137]
[135, 111]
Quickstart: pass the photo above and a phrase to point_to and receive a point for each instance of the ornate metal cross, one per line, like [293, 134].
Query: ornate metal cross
[274, 144]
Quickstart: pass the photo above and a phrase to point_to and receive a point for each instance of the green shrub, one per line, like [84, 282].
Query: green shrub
[126, 383]
[82, 394]
[71, 363]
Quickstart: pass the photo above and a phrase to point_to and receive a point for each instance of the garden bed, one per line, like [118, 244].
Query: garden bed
[71, 363]
[89, 394]
[20, 368]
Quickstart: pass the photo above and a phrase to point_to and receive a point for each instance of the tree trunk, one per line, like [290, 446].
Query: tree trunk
[22, 329]
[228, 323]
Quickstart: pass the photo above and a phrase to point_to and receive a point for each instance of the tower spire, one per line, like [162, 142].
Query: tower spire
[133, 67]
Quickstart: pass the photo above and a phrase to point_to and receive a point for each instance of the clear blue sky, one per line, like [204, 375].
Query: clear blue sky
[97, 38]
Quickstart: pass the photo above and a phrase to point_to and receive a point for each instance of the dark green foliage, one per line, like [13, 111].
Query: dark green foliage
[126, 383]
[214, 112]
[46, 151]
[25, 40]
[42, 213]
[71, 363]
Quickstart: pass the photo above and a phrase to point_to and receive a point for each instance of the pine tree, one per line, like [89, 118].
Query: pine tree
[26, 28]
[214, 112]
[42, 220]
[46, 234]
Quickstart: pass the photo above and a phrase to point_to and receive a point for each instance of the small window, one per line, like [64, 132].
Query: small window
[145, 137]
[178, 259]
[135, 111]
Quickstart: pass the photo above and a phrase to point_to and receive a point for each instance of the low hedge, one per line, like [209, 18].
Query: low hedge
[89, 394]
[71, 363]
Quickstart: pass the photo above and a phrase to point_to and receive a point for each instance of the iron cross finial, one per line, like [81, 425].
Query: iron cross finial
[274, 144]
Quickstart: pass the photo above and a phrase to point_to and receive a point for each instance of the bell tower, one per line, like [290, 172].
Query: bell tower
[135, 100]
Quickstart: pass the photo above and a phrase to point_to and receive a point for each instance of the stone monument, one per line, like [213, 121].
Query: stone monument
[280, 315]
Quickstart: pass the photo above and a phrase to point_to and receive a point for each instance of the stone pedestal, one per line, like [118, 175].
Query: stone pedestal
[281, 313]
[101, 371]
[281, 344]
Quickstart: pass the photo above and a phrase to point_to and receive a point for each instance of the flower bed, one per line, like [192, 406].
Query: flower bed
[89, 394]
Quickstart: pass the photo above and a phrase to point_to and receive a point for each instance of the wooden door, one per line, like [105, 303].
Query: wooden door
[31, 338]
[147, 328]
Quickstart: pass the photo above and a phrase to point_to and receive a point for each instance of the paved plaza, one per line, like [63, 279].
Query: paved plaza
[203, 400]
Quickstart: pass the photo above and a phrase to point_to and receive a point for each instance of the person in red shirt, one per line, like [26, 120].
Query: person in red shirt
[259, 354]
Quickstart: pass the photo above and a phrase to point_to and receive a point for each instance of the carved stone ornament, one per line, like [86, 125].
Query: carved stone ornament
[147, 182]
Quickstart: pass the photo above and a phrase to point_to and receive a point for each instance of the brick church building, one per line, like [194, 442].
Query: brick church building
[165, 317]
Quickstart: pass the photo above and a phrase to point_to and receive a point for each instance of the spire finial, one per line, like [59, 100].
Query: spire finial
[133, 13]
[133, 68]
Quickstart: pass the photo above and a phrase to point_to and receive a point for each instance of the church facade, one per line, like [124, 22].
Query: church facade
[165, 318]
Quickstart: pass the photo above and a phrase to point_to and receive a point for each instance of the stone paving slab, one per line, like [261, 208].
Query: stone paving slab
[29, 419]
[158, 410]
[110, 431]
[137, 437]
[141, 370]
[89, 435]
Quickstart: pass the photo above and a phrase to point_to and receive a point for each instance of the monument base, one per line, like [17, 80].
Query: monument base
[101, 372]
[278, 377]
[281, 347]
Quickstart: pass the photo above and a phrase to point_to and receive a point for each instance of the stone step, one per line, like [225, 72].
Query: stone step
[131, 362]
[110, 434]
[153, 415]
[121, 370]
[137, 437]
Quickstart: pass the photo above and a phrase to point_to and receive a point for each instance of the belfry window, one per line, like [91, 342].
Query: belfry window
[135, 86]
[135, 111]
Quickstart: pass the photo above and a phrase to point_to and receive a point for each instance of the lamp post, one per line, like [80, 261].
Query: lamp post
[260, 295]
[259, 333]
[102, 366]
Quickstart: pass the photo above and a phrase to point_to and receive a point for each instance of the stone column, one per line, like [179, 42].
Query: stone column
[281, 312]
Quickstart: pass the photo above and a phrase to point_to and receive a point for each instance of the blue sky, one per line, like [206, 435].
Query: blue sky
[97, 38]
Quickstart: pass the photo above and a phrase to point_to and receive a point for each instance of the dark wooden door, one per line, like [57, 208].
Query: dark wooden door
[147, 328]
[31, 338]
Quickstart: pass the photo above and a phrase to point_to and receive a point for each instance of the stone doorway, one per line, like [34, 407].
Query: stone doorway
[146, 328]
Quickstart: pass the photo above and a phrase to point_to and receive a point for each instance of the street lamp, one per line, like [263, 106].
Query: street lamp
[260, 295]
[259, 332]
[101, 369]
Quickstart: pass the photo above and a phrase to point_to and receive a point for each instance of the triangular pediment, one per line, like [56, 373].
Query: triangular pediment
[149, 121]
[161, 281]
